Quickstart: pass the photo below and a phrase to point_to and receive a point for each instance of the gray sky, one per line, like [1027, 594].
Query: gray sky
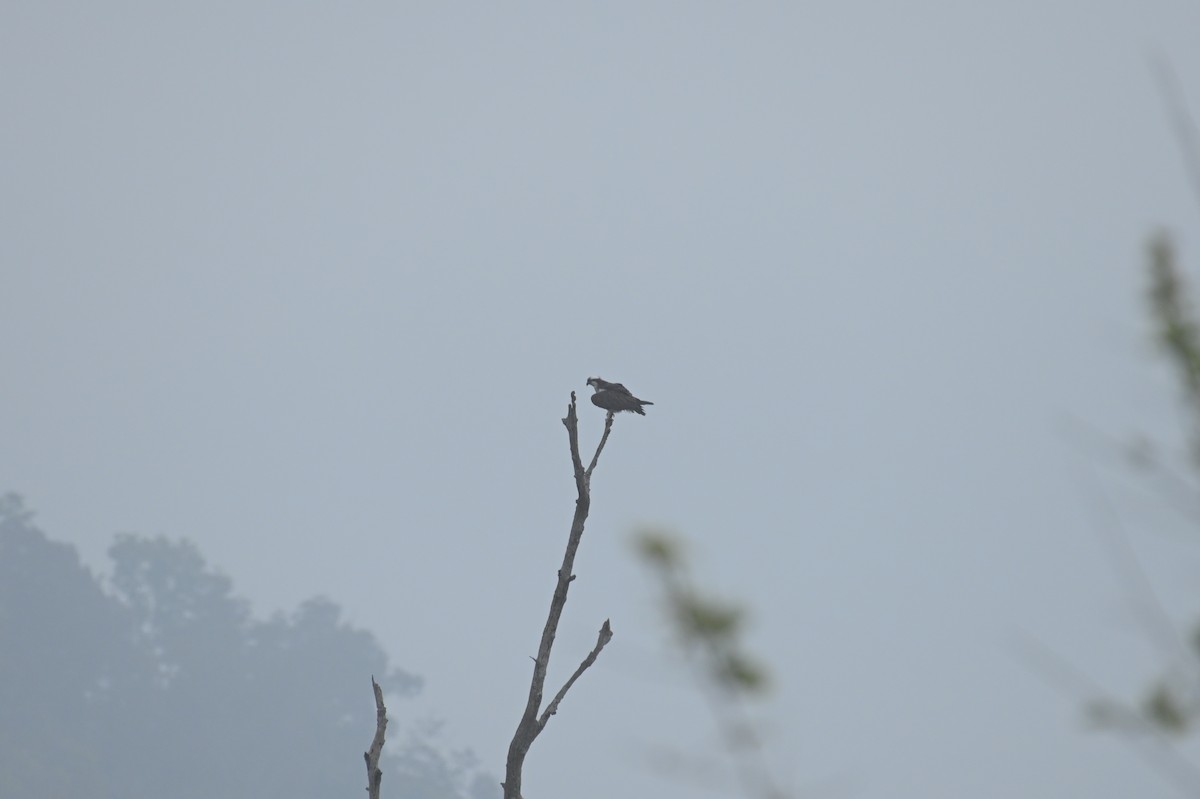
[309, 284]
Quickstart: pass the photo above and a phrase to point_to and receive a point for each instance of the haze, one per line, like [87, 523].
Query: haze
[310, 285]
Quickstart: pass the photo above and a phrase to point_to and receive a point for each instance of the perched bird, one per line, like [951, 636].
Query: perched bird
[614, 397]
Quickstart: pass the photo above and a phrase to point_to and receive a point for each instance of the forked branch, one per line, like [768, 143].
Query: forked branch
[531, 723]
[603, 638]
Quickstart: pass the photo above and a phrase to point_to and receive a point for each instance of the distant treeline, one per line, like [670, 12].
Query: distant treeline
[159, 683]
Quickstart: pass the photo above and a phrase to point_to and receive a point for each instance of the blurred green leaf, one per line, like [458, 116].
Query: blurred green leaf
[657, 548]
[1165, 711]
[741, 672]
[1177, 331]
[707, 618]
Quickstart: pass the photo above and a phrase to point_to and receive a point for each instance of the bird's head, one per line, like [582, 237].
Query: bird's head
[595, 383]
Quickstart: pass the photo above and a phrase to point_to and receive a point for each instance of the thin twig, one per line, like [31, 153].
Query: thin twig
[1139, 590]
[1173, 487]
[608, 422]
[1160, 754]
[1183, 125]
[374, 774]
[602, 639]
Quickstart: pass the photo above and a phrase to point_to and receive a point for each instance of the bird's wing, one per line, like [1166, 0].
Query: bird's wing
[615, 401]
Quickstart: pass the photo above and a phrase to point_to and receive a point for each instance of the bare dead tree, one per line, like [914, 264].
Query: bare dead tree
[534, 719]
[374, 773]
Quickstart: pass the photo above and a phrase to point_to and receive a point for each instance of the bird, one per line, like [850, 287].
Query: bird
[614, 397]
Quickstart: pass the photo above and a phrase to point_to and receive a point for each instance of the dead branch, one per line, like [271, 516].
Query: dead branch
[374, 774]
[608, 420]
[603, 638]
[531, 724]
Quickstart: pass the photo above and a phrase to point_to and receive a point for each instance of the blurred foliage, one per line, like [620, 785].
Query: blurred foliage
[1165, 710]
[710, 630]
[707, 626]
[160, 682]
[1168, 705]
[1176, 328]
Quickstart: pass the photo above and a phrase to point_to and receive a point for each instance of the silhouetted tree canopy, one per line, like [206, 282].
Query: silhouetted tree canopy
[162, 683]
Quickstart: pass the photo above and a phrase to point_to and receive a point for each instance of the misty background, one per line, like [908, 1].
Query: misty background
[309, 286]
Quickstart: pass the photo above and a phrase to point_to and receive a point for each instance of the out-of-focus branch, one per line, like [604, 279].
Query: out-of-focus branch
[1147, 740]
[1178, 332]
[710, 630]
[374, 774]
[1170, 303]
[531, 725]
[1182, 123]
[1143, 600]
[1173, 486]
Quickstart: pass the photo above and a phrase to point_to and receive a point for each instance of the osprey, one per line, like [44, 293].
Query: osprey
[614, 397]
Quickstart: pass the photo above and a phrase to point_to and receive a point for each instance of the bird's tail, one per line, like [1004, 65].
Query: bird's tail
[639, 411]
[646, 402]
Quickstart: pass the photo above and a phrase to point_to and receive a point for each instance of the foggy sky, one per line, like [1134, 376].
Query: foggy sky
[310, 285]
